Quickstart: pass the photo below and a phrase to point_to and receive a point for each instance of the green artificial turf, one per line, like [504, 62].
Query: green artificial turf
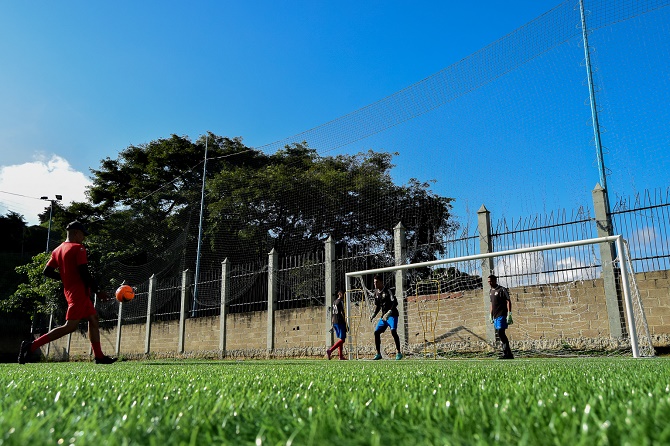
[587, 401]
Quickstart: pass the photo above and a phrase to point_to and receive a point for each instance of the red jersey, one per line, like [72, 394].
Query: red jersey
[67, 258]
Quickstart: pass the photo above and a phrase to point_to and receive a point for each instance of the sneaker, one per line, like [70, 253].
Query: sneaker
[105, 360]
[377, 357]
[24, 353]
[398, 357]
[328, 353]
[342, 358]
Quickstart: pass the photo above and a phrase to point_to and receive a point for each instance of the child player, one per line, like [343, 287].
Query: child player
[339, 322]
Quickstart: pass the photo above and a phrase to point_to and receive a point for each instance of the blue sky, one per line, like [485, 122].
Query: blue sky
[80, 81]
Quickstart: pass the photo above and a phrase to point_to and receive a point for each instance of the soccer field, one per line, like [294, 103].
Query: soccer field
[531, 401]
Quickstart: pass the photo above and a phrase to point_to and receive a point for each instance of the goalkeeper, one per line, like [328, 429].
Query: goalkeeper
[388, 304]
[501, 314]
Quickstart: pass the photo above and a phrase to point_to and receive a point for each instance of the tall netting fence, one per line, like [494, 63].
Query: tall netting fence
[577, 262]
[521, 107]
[207, 294]
[513, 117]
[645, 221]
[248, 288]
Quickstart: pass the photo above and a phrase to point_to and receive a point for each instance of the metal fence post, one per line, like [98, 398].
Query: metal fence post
[607, 257]
[185, 287]
[273, 266]
[485, 247]
[400, 254]
[225, 291]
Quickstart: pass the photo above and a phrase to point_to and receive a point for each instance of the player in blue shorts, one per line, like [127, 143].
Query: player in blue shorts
[339, 322]
[501, 314]
[388, 304]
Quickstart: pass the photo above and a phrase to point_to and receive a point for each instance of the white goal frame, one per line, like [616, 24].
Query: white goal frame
[623, 262]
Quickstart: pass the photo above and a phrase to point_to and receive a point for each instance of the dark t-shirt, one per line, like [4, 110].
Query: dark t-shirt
[499, 297]
[337, 315]
[385, 300]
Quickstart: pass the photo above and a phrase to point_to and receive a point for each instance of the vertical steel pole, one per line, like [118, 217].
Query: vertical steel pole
[592, 97]
[627, 298]
[197, 259]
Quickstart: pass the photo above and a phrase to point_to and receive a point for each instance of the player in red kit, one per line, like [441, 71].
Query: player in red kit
[69, 264]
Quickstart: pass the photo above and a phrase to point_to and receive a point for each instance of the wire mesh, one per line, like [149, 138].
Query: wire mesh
[301, 281]
[644, 221]
[248, 288]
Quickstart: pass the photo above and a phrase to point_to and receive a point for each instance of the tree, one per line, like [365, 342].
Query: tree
[295, 200]
[13, 228]
[143, 207]
[20, 243]
[36, 296]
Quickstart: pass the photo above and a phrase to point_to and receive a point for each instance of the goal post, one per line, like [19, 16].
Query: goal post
[558, 300]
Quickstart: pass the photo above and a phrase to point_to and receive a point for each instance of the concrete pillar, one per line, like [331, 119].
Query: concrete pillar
[185, 288]
[485, 247]
[150, 299]
[118, 329]
[225, 291]
[330, 287]
[607, 255]
[400, 254]
[273, 266]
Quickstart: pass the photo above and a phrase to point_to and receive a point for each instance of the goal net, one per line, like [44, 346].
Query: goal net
[561, 304]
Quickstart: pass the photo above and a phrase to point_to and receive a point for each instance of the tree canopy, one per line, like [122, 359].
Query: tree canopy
[143, 207]
[148, 198]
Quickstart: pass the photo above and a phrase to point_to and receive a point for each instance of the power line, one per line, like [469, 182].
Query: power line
[19, 195]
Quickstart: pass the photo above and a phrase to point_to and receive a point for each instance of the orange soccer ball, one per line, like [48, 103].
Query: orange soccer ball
[125, 293]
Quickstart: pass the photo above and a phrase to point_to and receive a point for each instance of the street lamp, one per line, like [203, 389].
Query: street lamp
[51, 210]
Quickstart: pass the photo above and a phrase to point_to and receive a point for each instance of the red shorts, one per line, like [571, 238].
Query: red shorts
[80, 309]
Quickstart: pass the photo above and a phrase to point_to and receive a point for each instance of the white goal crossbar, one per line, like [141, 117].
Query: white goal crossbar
[618, 239]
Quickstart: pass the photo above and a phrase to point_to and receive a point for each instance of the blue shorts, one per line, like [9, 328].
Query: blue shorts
[340, 331]
[392, 322]
[500, 322]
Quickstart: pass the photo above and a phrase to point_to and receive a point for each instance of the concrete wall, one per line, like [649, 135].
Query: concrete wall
[655, 293]
[202, 334]
[301, 328]
[132, 339]
[246, 332]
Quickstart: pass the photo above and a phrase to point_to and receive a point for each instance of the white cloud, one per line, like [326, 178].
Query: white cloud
[42, 177]
[644, 237]
[520, 269]
[532, 268]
